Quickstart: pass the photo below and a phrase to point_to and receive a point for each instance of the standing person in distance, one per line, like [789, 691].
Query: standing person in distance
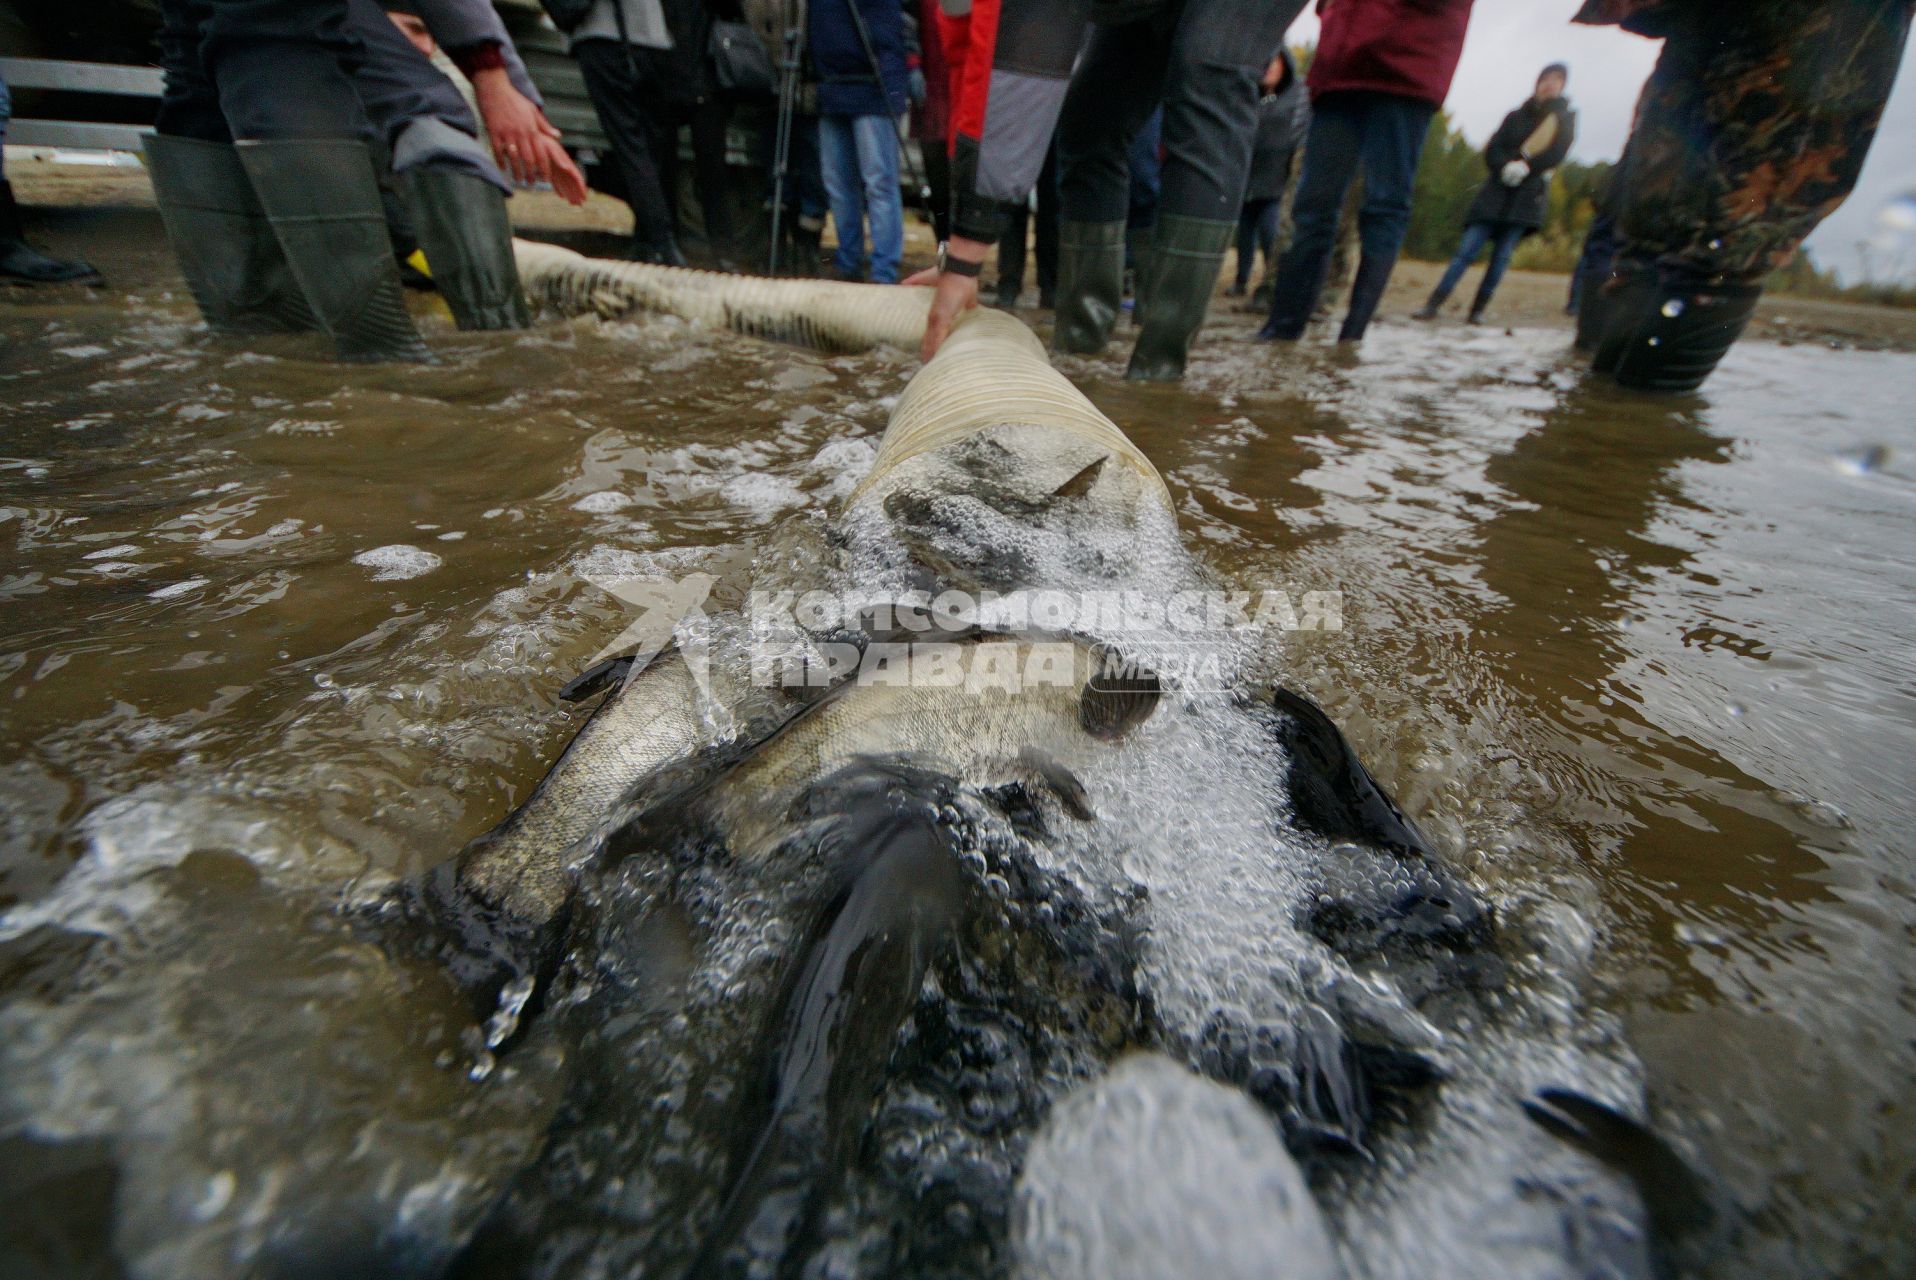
[1382, 69]
[1515, 199]
[1283, 114]
[858, 108]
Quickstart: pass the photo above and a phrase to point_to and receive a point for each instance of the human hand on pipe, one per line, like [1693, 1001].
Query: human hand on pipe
[956, 294]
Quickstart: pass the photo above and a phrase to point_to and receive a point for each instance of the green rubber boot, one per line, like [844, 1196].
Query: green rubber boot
[1175, 292]
[462, 226]
[323, 203]
[1090, 285]
[225, 247]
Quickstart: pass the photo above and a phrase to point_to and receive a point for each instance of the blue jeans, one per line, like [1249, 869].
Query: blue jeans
[1506, 236]
[1384, 132]
[859, 155]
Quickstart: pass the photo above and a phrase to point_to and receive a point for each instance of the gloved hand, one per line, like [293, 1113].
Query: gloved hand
[1515, 172]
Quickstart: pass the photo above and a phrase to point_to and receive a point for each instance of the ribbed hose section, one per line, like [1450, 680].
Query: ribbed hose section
[992, 371]
[825, 315]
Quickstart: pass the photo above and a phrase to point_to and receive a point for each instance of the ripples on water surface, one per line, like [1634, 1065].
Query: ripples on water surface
[273, 625]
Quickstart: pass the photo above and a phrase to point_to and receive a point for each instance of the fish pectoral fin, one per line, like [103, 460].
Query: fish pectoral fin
[1332, 793]
[1672, 1192]
[1063, 783]
[1120, 695]
[610, 673]
[1080, 483]
[597, 678]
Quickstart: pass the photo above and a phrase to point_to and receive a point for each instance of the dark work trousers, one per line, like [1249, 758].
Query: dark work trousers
[259, 69]
[1201, 60]
[639, 109]
[804, 171]
[1384, 133]
[1011, 247]
[397, 84]
[1147, 175]
[1256, 231]
[708, 118]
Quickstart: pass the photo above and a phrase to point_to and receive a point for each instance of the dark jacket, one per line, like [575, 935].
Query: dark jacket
[1283, 118]
[1525, 205]
[846, 85]
[1408, 48]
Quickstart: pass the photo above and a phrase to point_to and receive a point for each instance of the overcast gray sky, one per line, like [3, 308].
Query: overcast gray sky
[1511, 40]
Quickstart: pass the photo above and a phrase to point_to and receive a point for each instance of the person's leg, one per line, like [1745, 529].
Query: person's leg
[254, 49]
[1246, 246]
[1011, 255]
[877, 139]
[615, 100]
[18, 259]
[1269, 212]
[305, 156]
[844, 192]
[709, 119]
[1045, 229]
[189, 104]
[1508, 237]
[1330, 161]
[1217, 53]
[1745, 140]
[1469, 245]
[1393, 139]
[1593, 269]
[1114, 89]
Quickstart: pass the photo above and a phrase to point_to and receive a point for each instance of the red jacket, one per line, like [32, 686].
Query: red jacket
[1406, 47]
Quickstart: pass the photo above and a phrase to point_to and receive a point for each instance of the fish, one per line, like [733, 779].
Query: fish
[837, 958]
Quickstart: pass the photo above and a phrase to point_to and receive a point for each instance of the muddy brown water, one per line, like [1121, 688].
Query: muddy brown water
[272, 626]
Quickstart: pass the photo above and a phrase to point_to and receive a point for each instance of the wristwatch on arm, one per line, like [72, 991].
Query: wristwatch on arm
[957, 266]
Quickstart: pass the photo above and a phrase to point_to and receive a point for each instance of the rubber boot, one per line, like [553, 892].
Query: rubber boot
[1593, 312]
[1175, 292]
[1367, 290]
[226, 249]
[323, 204]
[1663, 334]
[1479, 305]
[1090, 285]
[462, 226]
[21, 261]
[1432, 305]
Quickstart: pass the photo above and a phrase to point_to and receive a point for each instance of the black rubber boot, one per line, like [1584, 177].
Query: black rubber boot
[1367, 290]
[1175, 292]
[1480, 304]
[323, 204]
[21, 261]
[1663, 334]
[1090, 285]
[462, 226]
[225, 247]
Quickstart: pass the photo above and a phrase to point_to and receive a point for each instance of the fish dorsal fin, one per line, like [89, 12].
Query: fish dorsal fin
[1080, 483]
